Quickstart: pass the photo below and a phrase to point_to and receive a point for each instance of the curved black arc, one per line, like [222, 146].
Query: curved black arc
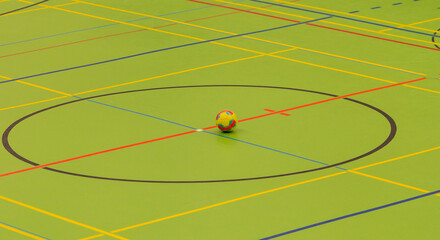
[433, 39]
[392, 123]
[28, 6]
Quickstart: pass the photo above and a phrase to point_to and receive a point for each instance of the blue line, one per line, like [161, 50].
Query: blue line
[179, 124]
[352, 215]
[375, 7]
[357, 20]
[354, 12]
[24, 230]
[268, 148]
[108, 25]
[6, 44]
[160, 50]
[397, 3]
[143, 114]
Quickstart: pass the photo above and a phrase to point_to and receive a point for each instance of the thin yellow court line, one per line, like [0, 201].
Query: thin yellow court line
[37, 86]
[32, 103]
[62, 218]
[350, 14]
[31, 10]
[285, 58]
[44, 88]
[217, 204]
[425, 21]
[217, 30]
[276, 189]
[429, 20]
[397, 158]
[324, 21]
[392, 182]
[21, 232]
[146, 79]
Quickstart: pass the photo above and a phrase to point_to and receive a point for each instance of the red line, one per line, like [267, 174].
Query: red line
[96, 153]
[185, 133]
[118, 34]
[336, 29]
[284, 114]
[332, 99]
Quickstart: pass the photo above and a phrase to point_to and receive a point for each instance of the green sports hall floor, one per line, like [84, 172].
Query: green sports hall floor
[107, 110]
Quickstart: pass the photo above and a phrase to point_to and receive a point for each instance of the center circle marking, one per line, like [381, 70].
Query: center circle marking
[391, 135]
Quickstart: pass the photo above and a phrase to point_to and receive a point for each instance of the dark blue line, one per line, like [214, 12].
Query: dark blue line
[108, 25]
[397, 3]
[354, 12]
[357, 20]
[24, 230]
[352, 215]
[375, 7]
[163, 49]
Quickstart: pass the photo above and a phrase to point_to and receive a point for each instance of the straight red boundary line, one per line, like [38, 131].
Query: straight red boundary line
[193, 131]
[315, 25]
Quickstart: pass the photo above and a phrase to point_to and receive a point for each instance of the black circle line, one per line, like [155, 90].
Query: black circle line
[433, 39]
[393, 130]
[28, 6]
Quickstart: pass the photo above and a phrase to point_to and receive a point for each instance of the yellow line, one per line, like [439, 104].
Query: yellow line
[32, 103]
[170, 74]
[217, 30]
[21, 232]
[62, 218]
[37, 86]
[425, 21]
[217, 204]
[277, 189]
[142, 80]
[31, 10]
[350, 14]
[338, 24]
[397, 158]
[44, 88]
[392, 182]
[285, 58]
[429, 20]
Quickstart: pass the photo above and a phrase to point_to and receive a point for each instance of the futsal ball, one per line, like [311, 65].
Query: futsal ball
[226, 121]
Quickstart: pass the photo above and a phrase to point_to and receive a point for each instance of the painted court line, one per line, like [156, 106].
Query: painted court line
[215, 205]
[219, 135]
[260, 52]
[194, 131]
[159, 50]
[348, 18]
[244, 197]
[101, 26]
[18, 9]
[206, 41]
[333, 23]
[22, 231]
[62, 218]
[359, 16]
[249, 37]
[303, 49]
[123, 33]
[352, 215]
[320, 26]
